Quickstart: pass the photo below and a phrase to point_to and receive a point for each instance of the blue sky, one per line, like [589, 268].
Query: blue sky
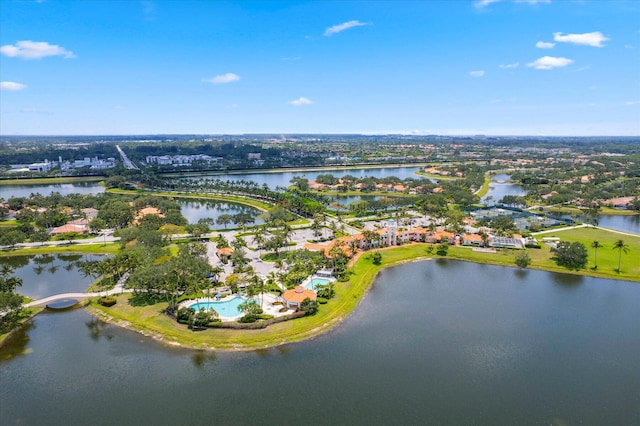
[498, 67]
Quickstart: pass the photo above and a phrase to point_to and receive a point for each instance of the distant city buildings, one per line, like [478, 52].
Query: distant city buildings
[182, 160]
[65, 166]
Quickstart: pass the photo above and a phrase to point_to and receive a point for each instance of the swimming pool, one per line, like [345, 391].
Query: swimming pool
[315, 282]
[226, 309]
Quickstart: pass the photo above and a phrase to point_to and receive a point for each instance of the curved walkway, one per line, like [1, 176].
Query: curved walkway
[584, 225]
[118, 288]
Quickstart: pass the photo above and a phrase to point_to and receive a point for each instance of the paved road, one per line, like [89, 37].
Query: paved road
[584, 225]
[127, 163]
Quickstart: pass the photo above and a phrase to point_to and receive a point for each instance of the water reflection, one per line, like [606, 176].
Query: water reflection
[43, 259]
[202, 358]
[16, 345]
[98, 329]
[521, 273]
[567, 280]
[45, 274]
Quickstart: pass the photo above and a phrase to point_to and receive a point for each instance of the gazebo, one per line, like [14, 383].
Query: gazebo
[293, 298]
[224, 253]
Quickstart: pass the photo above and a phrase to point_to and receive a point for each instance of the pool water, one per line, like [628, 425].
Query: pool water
[225, 309]
[315, 282]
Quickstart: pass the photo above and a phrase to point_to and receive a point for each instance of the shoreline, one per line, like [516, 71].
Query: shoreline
[50, 180]
[361, 287]
[297, 169]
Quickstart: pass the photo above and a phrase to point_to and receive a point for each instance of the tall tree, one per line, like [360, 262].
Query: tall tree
[10, 302]
[595, 245]
[621, 247]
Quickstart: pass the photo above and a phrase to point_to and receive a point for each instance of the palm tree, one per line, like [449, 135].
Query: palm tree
[621, 247]
[595, 245]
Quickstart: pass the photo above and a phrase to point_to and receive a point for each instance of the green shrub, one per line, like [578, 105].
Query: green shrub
[322, 300]
[265, 316]
[107, 301]
[185, 314]
[248, 318]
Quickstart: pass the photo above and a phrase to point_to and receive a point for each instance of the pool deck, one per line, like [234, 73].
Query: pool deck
[267, 305]
[307, 281]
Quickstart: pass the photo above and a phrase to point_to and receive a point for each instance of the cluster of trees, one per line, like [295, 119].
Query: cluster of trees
[38, 213]
[304, 204]
[10, 301]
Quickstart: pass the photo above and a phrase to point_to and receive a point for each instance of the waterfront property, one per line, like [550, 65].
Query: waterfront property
[227, 307]
[293, 298]
[317, 280]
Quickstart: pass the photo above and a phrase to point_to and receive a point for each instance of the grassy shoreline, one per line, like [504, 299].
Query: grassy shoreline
[29, 313]
[50, 180]
[151, 322]
[260, 205]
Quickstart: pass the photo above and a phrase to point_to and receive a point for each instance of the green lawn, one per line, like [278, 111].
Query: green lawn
[50, 180]
[485, 186]
[607, 256]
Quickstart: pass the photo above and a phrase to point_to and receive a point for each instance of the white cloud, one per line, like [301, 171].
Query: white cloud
[11, 85]
[341, 27]
[301, 101]
[632, 103]
[509, 66]
[478, 73]
[27, 49]
[484, 3]
[594, 39]
[549, 62]
[545, 45]
[223, 78]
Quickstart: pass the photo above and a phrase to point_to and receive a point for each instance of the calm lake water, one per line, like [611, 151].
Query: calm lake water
[499, 187]
[46, 275]
[621, 223]
[283, 179]
[427, 345]
[194, 210]
[8, 191]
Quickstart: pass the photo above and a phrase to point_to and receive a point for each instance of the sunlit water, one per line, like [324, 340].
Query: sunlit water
[436, 342]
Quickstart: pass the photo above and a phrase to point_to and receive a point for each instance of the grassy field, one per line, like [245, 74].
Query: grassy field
[604, 211]
[228, 198]
[50, 181]
[485, 186]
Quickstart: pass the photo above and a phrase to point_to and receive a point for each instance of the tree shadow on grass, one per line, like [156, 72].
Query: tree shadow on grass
[145, 299]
